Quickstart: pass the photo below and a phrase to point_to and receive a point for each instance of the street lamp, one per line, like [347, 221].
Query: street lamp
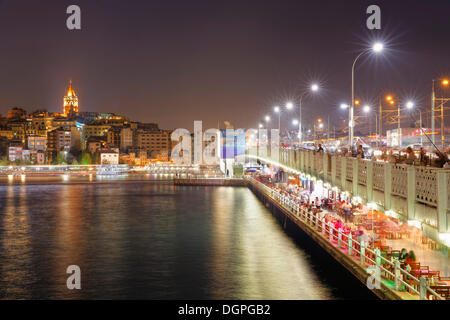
[318, 125]
[277, 110]
[409, 105]
[314, 87]
[444, 83]
[367, 110]
[377, 47]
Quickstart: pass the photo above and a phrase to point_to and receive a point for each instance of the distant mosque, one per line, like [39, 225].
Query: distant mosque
[70, 101]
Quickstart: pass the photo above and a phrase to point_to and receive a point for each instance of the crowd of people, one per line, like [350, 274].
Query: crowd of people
[440, 159]
[349, 216]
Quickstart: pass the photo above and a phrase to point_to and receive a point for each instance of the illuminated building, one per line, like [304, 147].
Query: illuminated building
[37, 143]
[70, 101]
[156, 143]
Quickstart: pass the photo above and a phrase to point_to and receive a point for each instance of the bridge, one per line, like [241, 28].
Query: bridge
[417, 195]
[384, 277]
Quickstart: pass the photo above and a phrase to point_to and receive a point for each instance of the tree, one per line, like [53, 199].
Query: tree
[85, 158]
[4, 161]
[60, 159]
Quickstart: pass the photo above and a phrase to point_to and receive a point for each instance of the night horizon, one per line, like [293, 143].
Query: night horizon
[157, 60]
[217, 159]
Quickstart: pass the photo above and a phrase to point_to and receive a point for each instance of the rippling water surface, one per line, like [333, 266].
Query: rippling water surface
[149, 240]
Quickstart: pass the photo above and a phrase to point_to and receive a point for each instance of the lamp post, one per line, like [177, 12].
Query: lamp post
[267, 119]
[277, 110]
[314, 88]
[377, 47]
[444, 83]
[319, 125]
[367, 110]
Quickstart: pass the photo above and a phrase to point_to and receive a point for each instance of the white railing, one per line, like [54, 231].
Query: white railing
[361, 254]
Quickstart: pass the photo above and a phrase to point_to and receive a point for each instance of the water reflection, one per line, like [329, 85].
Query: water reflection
[148, 240]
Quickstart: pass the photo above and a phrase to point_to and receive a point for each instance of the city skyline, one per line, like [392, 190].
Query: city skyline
[218, 156]
[150, 74]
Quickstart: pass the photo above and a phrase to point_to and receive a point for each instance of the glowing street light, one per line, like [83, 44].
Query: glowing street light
[366, 109]
[410, 105]
[344, 106]
[377, 48]
[444, 82]
[277, 110]
[314, 88]
[318, 125]
[267, 118]
[289, 105]
[295, 122]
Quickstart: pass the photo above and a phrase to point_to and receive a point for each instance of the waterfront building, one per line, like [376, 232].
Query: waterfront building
[15, 153]
[16, 113]
[62, 122]
[40, 122]
[108, 156]
[7, 133]
[95, 143]
[40, 157]
[126, 139]
[95, 130]
[113, 136]
[62, 140]
[37, 143]
[19, 130]
[156, 143]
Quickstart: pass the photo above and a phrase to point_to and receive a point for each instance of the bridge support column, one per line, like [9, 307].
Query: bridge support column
[369, 179]
[333, 170]
[355, 176]
[411, 192]
[344, 171]
[442, 197]
[387, 185]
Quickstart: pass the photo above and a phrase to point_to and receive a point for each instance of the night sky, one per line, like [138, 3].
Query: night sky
[176, 61]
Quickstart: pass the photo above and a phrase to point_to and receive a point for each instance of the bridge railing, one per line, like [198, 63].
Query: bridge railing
[362, 254]
[406, 192]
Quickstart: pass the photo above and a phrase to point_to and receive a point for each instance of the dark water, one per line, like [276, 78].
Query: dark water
[150, 241]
